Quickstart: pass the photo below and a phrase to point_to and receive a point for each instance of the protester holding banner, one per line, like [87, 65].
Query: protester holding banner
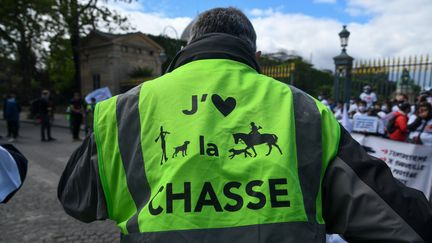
[421, 128]
[400, 123]
[362, 109]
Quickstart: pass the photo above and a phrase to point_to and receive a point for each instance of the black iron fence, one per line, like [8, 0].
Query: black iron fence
[383, 74]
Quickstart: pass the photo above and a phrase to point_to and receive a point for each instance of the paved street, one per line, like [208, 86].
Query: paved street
[34, 214]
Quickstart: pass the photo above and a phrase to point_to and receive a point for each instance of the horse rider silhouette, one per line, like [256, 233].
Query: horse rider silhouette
[256, 138]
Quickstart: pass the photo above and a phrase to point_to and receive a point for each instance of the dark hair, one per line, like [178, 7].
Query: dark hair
[230, 21]
[427, 105]
[405, 106]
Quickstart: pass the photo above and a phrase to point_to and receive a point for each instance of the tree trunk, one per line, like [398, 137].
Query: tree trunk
[74, 31]
[26, 63]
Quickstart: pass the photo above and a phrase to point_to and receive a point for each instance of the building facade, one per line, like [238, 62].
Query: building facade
[118, 62]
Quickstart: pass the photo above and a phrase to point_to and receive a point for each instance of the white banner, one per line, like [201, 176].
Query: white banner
[411, 164]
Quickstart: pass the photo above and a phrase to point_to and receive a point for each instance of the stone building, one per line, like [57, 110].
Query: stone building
[119, 62]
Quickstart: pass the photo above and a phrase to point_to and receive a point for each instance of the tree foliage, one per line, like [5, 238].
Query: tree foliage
[59, 65]
[23, 29]
[77, 18]
[304, 76]
[40, 39]
[171, 47]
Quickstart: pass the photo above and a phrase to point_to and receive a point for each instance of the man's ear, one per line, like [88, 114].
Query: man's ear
[258, 54]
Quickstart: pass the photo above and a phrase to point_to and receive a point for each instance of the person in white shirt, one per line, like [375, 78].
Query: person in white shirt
[362, 110]
[368, 96]
[421, 128]
[338, 110]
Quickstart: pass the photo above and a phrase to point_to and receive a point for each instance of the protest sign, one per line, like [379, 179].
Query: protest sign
[368, 124]
[99, 94]
[411, 164]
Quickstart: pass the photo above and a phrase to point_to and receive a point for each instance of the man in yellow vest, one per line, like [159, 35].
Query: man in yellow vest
[300, 176]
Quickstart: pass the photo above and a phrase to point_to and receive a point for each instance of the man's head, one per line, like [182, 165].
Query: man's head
[45, 94]
[425, 110]
[224, 20]
[401, 98]
[77, 96]
[367, 89]
[362, 106]
[405, 107]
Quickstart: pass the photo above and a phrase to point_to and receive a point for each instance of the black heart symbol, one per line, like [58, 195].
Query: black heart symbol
[224, 106]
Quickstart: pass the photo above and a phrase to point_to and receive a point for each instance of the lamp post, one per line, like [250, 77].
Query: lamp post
[343, 67]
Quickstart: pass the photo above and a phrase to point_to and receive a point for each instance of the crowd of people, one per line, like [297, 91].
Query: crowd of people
[42, 110]
[397, 119]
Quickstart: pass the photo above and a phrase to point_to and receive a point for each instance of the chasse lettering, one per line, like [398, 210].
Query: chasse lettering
[251, 195]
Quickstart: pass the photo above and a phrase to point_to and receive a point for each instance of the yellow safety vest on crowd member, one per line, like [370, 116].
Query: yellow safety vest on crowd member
[213, 151]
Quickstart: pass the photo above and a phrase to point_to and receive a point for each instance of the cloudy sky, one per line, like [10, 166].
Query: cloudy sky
[379, 28]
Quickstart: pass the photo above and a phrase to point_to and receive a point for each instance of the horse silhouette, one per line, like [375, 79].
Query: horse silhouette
[255, 139]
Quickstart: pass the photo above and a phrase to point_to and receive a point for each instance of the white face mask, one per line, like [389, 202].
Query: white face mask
[384, 108]
[362, 108]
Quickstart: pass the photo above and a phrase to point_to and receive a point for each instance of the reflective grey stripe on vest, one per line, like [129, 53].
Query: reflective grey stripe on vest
[265, 233]
[129, 140]
[309, 149]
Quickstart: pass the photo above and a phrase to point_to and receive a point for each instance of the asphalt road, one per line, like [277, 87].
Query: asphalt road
[34, 213]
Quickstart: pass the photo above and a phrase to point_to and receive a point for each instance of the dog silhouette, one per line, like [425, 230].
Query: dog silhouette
[235, 152]
[182, 148]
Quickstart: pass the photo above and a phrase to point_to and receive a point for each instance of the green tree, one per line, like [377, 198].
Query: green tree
[171, 47]
[60, 66]
[76, 18]
[22, 33]
[305, 76]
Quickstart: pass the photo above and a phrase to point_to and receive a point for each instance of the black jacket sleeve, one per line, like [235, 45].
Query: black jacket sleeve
[363, 202]
[79, 190]
[21, 163]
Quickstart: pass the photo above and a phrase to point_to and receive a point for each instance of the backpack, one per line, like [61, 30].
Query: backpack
[391, 125]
